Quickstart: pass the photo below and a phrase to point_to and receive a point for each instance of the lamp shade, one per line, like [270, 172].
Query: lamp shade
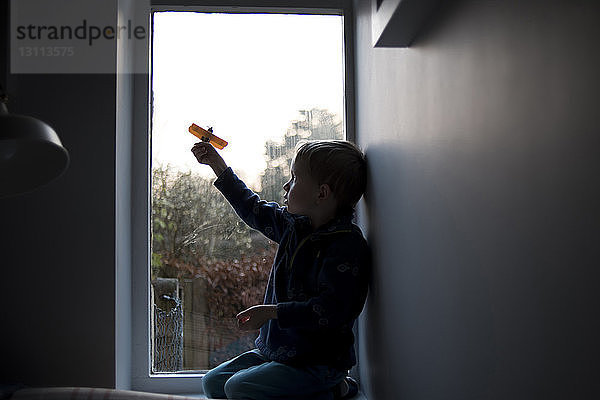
[31, 154]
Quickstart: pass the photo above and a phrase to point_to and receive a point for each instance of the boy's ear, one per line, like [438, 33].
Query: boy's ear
[324, 192]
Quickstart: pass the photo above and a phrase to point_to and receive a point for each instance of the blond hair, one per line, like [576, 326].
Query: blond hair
[338, 163]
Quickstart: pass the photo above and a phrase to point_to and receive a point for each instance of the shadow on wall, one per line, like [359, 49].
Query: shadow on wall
[435, 279]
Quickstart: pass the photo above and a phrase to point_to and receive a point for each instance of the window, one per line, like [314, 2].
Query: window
[263, 81]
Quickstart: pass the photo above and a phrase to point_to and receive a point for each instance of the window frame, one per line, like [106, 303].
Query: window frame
[141, 376]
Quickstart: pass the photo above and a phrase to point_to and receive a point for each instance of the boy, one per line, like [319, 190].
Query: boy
[318, 283]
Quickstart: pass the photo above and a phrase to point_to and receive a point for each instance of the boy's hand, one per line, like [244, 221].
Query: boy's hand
[205, 153]
[256, 316]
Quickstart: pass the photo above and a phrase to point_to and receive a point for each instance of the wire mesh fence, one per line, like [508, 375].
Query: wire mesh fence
[168, 337]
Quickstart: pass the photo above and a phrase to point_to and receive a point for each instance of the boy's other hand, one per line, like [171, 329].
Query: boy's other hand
[206, 154]
[256, 316]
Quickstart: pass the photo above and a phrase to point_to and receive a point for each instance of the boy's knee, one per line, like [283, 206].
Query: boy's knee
[237, 387]
[212, 384]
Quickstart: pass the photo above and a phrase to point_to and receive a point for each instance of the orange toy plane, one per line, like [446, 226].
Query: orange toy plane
[207, 136]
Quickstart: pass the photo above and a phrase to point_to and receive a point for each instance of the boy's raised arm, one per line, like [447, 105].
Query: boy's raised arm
[206, 154]
[263, 216]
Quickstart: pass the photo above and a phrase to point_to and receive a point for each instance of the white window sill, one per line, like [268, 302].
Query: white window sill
[359, 396]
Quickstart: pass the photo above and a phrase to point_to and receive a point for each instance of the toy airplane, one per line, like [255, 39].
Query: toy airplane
[207, 136]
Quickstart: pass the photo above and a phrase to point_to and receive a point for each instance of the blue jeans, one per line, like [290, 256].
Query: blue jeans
[250, 376]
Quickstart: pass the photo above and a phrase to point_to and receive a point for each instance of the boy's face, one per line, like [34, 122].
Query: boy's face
[301, 191]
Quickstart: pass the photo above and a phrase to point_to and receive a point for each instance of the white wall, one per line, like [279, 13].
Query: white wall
[483, 145]
[58, 256]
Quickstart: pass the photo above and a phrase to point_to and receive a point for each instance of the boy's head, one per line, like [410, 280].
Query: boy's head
[338, 165]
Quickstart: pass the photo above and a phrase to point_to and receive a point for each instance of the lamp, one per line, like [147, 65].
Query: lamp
[31, 154]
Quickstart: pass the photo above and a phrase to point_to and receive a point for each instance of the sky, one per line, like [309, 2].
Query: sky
[246, 75]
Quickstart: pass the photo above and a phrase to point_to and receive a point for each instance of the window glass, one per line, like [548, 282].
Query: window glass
[262, 82]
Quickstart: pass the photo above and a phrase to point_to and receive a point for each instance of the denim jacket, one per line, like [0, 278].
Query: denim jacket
[319, 280]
